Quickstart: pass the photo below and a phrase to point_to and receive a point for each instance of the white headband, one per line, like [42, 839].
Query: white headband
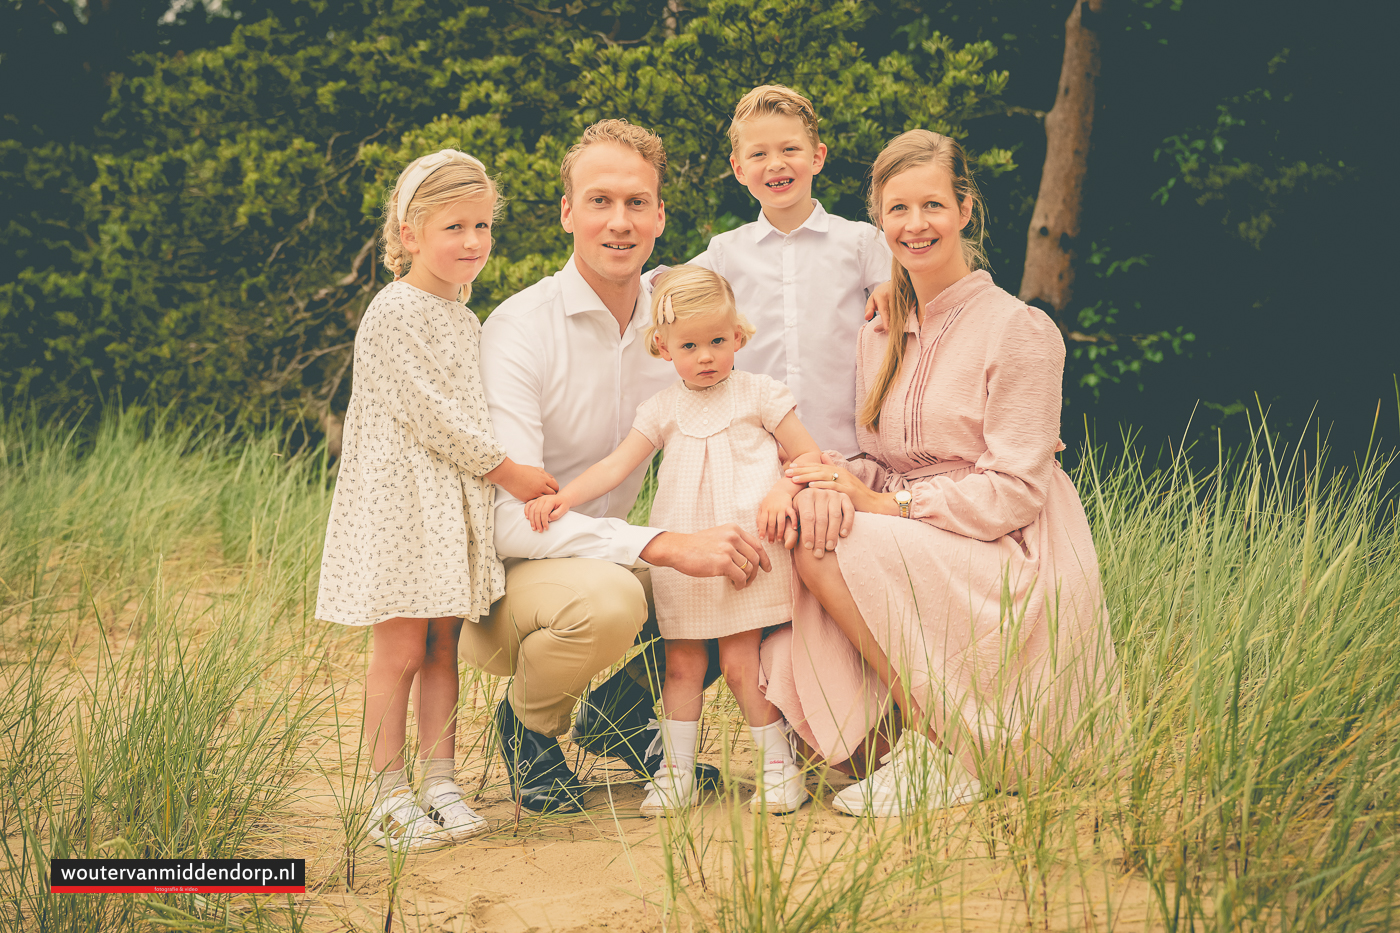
[415, 176]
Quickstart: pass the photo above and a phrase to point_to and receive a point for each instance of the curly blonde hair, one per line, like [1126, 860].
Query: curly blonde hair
[641, 141]
[692, 291]
[448, 184]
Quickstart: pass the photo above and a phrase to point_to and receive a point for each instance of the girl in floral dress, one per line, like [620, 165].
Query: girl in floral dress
[409, 546]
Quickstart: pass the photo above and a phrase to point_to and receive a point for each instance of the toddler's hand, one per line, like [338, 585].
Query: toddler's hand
[544, 510]
[523, 482]
[775, 516]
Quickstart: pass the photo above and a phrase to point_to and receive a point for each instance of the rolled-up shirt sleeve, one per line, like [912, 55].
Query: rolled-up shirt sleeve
[512, 368]
[1021, 427]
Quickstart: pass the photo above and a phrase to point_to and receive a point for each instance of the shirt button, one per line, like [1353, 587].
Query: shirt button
[706, 408]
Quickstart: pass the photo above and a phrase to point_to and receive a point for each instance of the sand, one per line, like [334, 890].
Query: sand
[607, 868]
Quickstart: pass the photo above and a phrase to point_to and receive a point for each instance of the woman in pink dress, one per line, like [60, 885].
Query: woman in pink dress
[968, 589]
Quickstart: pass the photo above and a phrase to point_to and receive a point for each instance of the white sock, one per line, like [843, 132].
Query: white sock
[384, 783]
[436, 771]
[772, 742]
[678, 740]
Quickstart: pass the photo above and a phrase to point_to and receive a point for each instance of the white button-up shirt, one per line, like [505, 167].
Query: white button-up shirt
[805, 291]
[563, 388]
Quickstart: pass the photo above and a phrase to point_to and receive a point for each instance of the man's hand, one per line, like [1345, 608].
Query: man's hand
[820, 513]
[726, 551]
[544, 510]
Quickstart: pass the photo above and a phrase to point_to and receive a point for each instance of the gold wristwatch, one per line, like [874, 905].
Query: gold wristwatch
[904, 498]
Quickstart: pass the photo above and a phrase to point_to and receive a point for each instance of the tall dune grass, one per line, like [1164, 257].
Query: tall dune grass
[148, 709]
[159, 671]
[1255, 607]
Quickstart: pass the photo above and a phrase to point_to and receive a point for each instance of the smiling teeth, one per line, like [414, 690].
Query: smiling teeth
[623, 246]
[919, 244]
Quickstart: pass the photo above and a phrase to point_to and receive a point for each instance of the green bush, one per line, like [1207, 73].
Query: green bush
[215, 246]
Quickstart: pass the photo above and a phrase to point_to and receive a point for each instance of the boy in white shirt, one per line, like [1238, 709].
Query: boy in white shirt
[800, 275]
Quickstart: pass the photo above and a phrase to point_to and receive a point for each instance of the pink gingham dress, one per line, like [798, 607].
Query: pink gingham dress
[720, 460]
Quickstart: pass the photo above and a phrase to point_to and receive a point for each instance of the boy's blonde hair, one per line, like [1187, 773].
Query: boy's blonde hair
[769, 99]
[451, 182]
[904, 152]
[686, 292]
[641, 141]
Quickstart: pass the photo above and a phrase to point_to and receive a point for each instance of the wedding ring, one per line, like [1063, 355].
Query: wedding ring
[744, 565]
[836, 476]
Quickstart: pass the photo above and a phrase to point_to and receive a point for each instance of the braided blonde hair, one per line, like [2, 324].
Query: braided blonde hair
[904, 152]
[691, 291]
[447, 184]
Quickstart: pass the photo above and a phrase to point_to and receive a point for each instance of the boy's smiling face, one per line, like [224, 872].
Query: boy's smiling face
[776, 160]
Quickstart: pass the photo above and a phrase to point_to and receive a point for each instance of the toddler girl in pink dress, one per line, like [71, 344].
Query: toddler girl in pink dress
[720, 430]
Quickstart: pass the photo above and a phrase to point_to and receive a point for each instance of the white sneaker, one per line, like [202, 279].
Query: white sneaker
[781, 788]
[920, 777]
[670, 789]
[398, 823]
[445, 806]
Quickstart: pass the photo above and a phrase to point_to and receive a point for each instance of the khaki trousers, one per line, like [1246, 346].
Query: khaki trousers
[561, 621]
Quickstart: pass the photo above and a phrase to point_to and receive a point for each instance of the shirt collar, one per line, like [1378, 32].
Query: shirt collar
[952, 296]
[580, 298]
[819, 221]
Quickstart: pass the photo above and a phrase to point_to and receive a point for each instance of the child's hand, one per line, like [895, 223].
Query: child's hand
[879, 300]
[775, 515]
[544, 510]
[523, 482]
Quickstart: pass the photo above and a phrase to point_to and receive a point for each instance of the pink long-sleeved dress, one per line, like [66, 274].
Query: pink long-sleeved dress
[989, 601]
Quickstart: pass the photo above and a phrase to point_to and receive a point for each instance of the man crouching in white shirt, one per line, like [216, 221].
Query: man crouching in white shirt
[565, 367]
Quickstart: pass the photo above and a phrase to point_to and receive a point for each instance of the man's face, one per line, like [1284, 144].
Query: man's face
[615, 214]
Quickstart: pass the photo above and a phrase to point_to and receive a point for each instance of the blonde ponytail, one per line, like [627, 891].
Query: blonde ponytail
[906, 151]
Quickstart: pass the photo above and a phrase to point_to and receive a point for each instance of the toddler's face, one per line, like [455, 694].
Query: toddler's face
[776, 160]
[702, 348]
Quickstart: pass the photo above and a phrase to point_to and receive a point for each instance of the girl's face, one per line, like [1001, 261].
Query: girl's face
[921, 220]
[451, 248]
[702, 348]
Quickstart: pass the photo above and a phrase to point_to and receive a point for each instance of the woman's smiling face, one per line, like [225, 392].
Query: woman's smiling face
[921, 220]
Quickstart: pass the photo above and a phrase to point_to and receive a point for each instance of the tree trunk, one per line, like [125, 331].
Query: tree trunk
[1048, 279]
